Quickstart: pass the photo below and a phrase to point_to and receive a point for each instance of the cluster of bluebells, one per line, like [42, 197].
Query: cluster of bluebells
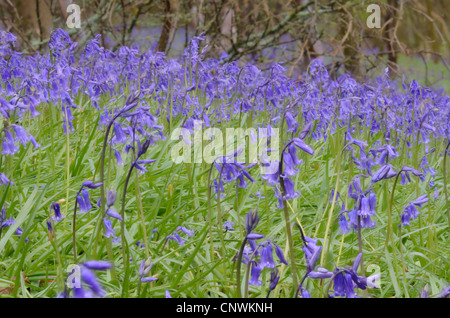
[282, 172]
[260, 256]
[106, 74]
[83, 200]
[365, 208]
[365, 201]
[410, 211]
[4, 222]
[166, 89]
[345, 280]
[229, 170]
[144, 269]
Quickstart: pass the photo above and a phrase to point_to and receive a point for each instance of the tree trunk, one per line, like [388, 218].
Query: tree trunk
[169, 26]
[391, 19]
[36, 18]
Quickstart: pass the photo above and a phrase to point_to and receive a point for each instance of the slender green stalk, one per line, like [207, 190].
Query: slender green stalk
[360, 249]
[67, 161]
[74, 230]
[323, 257]
[238, 268]
[54, 242]
[210, 214]
[141, 215]
[102, 189]
[391, 202]
[125, 251]
[444, 168]
[403, 262]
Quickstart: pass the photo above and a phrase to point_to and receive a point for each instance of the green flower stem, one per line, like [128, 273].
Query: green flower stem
[141, 215]
[54, 242]
[102, 188]
[238, 268]
[125, 252]
[360, 249]
[74, 229]
[323, 257]
[444, 168]
[67, 162]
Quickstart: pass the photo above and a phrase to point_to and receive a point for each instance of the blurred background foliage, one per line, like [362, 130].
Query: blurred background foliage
[414, 38]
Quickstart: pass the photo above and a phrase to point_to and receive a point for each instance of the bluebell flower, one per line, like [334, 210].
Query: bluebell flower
[445, 293]
[246, 254]
[411, 211]
[289, 189]
[2, 215]
[256, 271]
[58, 216]
[254, 236]
[291, 122]
[119, 135]
[80, 292]
[138, 164]
[112, 213]
[425, 292]
[97, 265]
[343, 224]
[90, 279]
[267, 256]
[228, 226]
[339, 284]
[251, 221]
[49, 227]
[118, 157]
[144, 269]
[4, 180]
[305, 293]
[84, 201]
[110, 198]
[82, 204]
[186, 231]
[320, 273]
[18, 231]
[280, 254]
[178, 238]
[148, 279]
[253, 245]
[8, 222]
[108, 228]
[385, 172]
[274, 278]
[293, 154]
[312, 253]
[91, 184]
[301, 144]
